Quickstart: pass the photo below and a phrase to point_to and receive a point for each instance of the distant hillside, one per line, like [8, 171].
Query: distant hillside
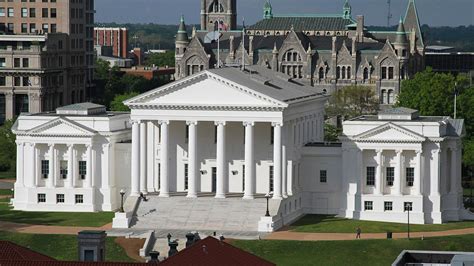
[154, 36]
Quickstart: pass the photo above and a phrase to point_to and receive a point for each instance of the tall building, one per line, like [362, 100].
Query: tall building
[46, 54]
[327, 51]
[117, 38]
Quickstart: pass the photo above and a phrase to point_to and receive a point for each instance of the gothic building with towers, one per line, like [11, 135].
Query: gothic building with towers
[327, 51]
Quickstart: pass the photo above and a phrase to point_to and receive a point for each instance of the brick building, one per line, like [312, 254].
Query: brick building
[117, 38]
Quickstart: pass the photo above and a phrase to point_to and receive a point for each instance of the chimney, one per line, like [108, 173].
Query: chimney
[173, 248]
[190, 239]
[360, 28]
[154, 257]
[91, 245]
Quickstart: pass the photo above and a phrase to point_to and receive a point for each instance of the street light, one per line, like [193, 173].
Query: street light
[122, 193]
[267, 214]
[408, 206]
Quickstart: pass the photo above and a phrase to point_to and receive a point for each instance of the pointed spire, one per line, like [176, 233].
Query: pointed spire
[347, 10]
[275, 50]
[412, 22]
[182, 32]
[401, 34]
[309, 51]
[267, 10]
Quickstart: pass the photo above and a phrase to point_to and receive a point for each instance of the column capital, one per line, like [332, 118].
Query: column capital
[135, 121]
[220, 123]
[248, 123]
[32, 144]
[189, 123]
[51, 145]
[437, 151]
[399, 152]
[106, 145]
[161, 122]
[88, 145]
[70, 146]
[277, 124]
[18, 143]
[418, 152]
[378, 151]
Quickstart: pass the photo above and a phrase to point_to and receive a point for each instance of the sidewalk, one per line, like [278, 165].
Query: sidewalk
[288, 235]
[47, 229]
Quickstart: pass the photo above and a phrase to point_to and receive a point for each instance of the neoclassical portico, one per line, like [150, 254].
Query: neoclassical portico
[200, 140]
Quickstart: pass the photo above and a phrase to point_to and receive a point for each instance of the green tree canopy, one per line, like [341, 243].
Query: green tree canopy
[117, 103]
[352, 101]
[161, 60]
[7, 147]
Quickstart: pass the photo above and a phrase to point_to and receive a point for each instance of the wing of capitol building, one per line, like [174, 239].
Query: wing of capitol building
[212, 149]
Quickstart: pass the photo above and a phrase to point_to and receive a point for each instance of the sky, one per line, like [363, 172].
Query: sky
[431, 12]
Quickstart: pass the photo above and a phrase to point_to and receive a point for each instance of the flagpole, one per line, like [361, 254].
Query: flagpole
[243, 44]
[218, 45]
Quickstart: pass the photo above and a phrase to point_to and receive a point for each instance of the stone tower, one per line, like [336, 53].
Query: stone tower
[347, 10]
[182, 42]
[267, 10]
[214, 11]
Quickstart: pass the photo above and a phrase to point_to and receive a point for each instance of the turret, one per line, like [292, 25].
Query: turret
[267, 10]
[401, 42]
[181, 43]
[347, 10]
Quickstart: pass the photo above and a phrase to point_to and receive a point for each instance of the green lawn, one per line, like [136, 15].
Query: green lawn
[331, 224]
[62, 247]
[353, 252]
[6, 192]
[7, 175]
[55, 218]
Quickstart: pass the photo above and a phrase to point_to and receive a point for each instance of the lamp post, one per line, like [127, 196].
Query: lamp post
[267, 214]
[407, 208]
[122, 193]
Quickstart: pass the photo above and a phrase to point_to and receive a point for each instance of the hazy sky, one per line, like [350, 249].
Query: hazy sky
[431, 12]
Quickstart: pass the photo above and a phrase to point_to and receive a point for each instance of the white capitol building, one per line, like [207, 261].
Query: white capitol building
[207, 149]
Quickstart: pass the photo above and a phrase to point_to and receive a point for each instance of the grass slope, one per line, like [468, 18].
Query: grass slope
[331, 224]
[355, 252]
[55, 218]
[62, 247]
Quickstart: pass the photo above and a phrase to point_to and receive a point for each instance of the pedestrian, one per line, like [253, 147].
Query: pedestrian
[358, 231]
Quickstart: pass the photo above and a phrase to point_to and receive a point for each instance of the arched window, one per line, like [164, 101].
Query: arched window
[216, 7]
[348, 72]
[390, 97]
[338, 72]
[343, 72]
[383, 96]
[295, 56]
[366, 74]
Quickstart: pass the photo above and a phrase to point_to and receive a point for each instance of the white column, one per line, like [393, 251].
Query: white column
[20, 160]
[453, 174]
[277, 160]
[435, 173]
[32, 180]
[143, 157]
[221, 160]
[135, 186]
[107, 168]
[74, 169]
[192, 159]
[398, 173]
[89, 169]
[418, 174]
[362, 181]
[249, 190]
[70, 170]
[50, 181]
[164, 159]
[378, 174]
[284, 171]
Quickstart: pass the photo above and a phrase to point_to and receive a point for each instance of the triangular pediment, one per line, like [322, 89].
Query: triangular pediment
[203, 91]
[61, 127]
[389, 133]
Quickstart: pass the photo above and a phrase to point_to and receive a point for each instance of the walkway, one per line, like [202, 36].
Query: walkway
[288, 235]
[47, 229]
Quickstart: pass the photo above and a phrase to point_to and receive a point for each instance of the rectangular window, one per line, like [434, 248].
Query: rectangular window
[44, 168]
[370, 176]
[390, 171]
[186, 135]
[3, 62]
[24, 12]
[10, 27]
[323, 176]
[82, 169]
[44, 12]
[16, 62]
[26, 62]
[368, 205]
[272, 135]
[3, 81]
[63, 169]
[388, 206]
[59, 198]
[41, 197]
[271, 178]
[79, 198]
[390, 73]
[53, 13]
[408, 206]
[32, 13]
[26, 81]
[17, 81]
[11, 12]
[186, 179]
[24, 28]
[45, 27]
[410, 176]
[2, 11]
[384, 72]
[32, 28]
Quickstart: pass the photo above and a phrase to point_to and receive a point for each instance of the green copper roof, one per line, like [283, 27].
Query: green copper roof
[346, 4]
[182, 33]
[304, 23]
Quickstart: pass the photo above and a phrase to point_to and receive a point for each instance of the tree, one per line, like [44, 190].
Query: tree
[7, 146]
[161, 59]
[431, 93]
[117, 103]
[331, 132]
[352, 101]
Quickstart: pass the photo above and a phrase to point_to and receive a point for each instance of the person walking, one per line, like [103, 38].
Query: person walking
[358, 231]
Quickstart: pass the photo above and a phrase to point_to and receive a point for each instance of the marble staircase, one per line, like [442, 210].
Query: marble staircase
[203, 213]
